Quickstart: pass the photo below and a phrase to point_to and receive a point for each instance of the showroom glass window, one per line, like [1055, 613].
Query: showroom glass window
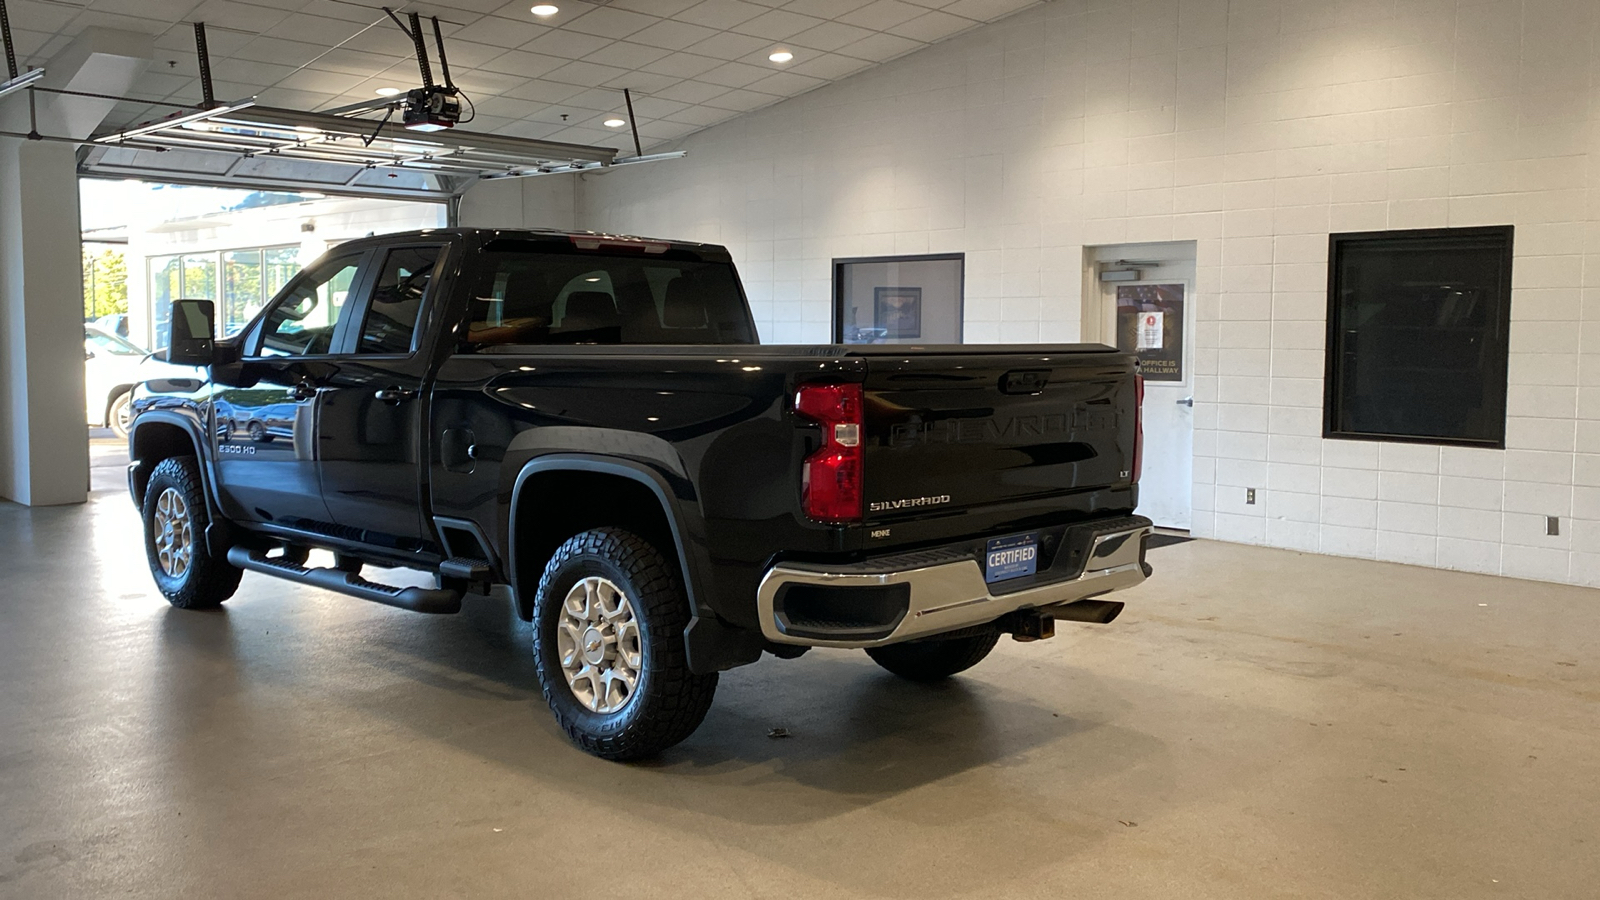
[166, 285]
[241, 290]
[898, 299]
[1417, 336]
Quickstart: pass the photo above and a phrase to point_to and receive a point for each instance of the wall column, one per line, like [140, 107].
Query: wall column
[44, 443]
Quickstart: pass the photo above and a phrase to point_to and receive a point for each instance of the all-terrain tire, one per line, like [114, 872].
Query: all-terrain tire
[203, 581]
[668, 702]
[932, 660]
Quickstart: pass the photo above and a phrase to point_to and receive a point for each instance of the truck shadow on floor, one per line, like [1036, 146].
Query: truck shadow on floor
[856, 735]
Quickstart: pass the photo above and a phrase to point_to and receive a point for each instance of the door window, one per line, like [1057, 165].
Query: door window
[303, 320]
[396, 307]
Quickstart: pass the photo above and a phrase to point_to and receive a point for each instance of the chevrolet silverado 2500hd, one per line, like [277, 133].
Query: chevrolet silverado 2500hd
[586, 423]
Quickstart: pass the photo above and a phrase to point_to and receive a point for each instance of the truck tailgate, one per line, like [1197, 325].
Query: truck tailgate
[952, 430]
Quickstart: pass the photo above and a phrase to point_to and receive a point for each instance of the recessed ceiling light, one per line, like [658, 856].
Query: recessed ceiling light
[781, 56]
[615, 123]
[545, 9]
[387, 91]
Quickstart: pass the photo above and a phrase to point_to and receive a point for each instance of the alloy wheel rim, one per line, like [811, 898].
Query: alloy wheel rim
[125, 415]
[174, 534]
[598, 640]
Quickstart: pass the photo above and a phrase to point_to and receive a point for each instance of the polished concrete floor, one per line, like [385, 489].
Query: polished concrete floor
[1258, 724]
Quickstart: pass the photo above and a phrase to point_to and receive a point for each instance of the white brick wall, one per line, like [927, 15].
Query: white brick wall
[1253, 127]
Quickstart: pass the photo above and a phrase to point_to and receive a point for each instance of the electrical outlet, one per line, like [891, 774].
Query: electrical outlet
[1250, 496]
[1552, 525]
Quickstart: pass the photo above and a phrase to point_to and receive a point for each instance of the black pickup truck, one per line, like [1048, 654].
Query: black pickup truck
[585, 423]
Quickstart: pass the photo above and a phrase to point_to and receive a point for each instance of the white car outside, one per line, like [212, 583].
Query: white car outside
[112, 365]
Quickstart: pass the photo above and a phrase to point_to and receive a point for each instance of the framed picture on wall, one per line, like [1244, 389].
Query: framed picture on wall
[1150, 325]
[898, 311]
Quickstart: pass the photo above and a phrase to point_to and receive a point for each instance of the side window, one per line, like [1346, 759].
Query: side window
[302, 321]
[397, 299]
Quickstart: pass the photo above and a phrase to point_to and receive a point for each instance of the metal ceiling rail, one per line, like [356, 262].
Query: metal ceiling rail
[246, 129]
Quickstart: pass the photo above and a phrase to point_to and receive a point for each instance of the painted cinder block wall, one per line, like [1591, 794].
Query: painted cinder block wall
[1253, 127]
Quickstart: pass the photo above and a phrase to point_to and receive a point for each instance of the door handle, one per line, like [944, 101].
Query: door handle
[394, 395]
[1187, 401]
[302, 390]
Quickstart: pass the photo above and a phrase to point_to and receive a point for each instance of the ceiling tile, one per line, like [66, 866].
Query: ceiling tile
[656, 107]
[692, 91]
[777, 25]
[986, 10]
[521, 62]
[643, 82]
[537, 91]
[626, 55]
[583, 73]
[727, 45]
[830, 36]
[882, 15]
[682, 65]
[720, 13]
[881, 47]
[355, 62]
[567, 43]
[498, 31]
[933, 26]
[742, 101]
[787, 84]
[319, 81]
[823, 9]
[611, 23]
[570, 9]
[245, 16]
[672, 35]
[654, 7]
[734, 74]
[831, 66]
[481, 84]
[700, 115]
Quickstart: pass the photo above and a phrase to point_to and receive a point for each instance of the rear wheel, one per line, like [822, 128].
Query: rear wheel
[934, 659]
[608, 628]
[175, 520]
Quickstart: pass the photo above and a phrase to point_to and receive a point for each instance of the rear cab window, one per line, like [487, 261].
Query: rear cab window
[539, 292]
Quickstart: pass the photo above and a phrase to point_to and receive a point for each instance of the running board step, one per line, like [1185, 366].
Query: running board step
[466, 569]
[416, 599]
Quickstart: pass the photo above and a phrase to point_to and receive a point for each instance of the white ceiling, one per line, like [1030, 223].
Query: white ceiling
[689, 63]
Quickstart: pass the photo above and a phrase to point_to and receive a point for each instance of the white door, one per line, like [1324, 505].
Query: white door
[1166, 489]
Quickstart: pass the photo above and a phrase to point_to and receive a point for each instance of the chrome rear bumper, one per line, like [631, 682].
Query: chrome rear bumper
[945, 595]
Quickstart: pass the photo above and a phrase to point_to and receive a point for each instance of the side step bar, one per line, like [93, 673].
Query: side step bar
[416, 599]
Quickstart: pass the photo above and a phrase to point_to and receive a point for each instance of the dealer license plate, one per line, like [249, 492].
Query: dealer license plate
[1011, 557]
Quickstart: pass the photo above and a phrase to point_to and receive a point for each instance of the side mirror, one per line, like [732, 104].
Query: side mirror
[192, 343]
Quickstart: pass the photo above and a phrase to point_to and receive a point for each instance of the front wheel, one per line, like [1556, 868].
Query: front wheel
[608, 629]
[119, 418]
[932, 660]
[175, 521]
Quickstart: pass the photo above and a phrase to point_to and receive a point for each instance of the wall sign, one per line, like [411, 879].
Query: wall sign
[1150, 325]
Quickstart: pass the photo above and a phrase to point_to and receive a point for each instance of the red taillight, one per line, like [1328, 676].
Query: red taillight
[1138, 427]
[830, 486]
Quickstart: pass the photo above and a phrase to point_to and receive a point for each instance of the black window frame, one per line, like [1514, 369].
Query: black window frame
[961, 287]
[1495, 391]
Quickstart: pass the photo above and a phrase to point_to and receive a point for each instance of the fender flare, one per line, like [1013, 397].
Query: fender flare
[196, 439]
[677, 520]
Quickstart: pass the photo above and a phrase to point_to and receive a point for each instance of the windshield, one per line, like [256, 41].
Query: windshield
[529, 296]
[101, 342]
